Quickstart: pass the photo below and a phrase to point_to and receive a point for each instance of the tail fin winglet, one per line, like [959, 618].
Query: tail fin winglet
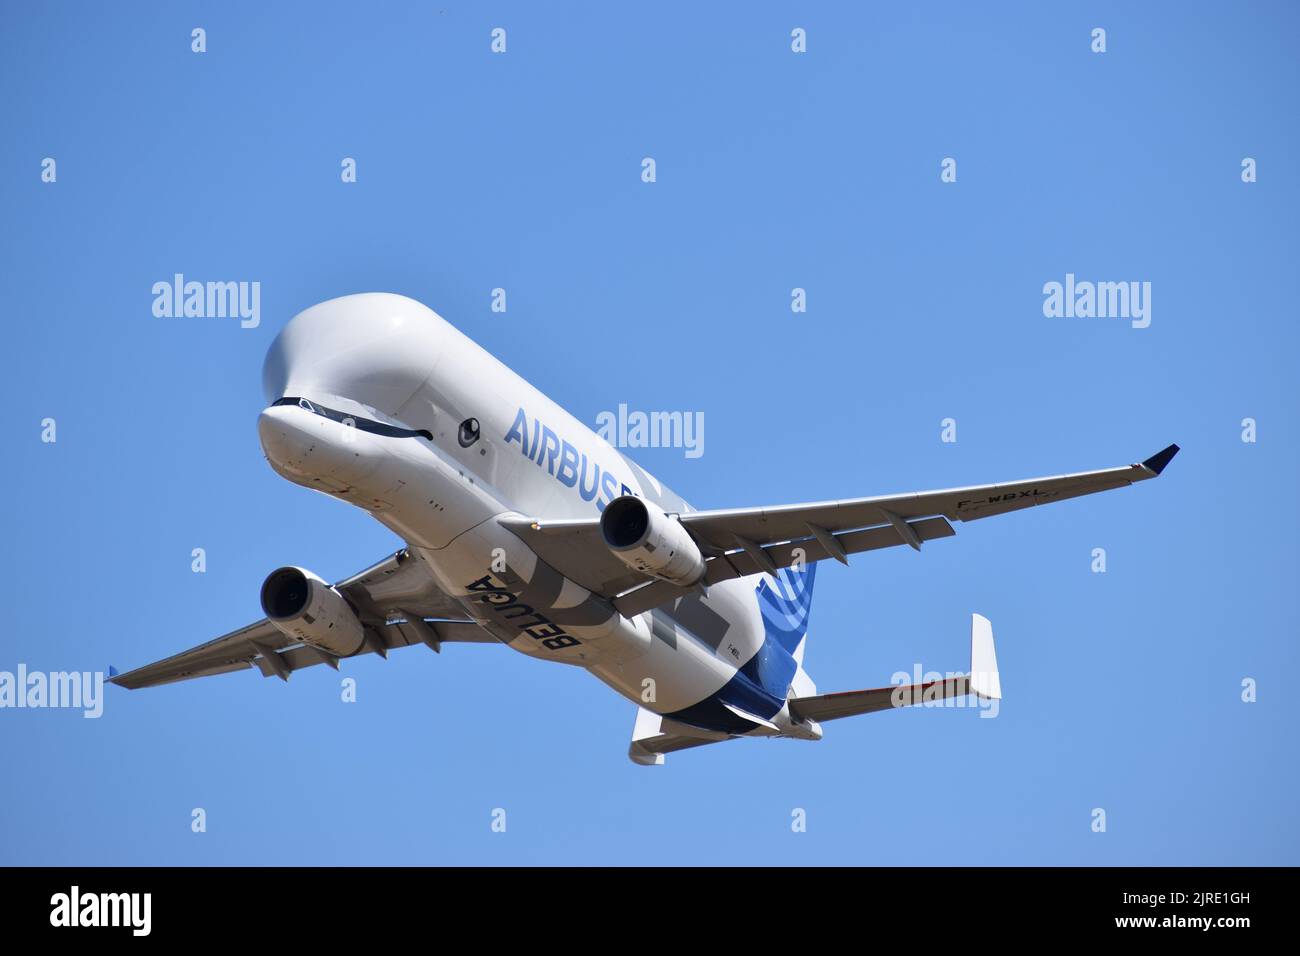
[984, 678]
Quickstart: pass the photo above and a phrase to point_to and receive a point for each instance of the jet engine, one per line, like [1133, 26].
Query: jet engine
[644, 538]
[307, 609]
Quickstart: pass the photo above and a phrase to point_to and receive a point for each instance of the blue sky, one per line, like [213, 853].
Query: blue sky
[775, 170]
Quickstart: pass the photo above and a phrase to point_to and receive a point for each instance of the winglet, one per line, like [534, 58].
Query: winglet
[1157, 462]
[984, 678]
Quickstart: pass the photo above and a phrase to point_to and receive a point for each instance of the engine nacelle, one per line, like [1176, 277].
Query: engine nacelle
[643, 537]
[307, 609]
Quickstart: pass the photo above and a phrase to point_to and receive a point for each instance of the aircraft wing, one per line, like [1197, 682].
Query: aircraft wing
[398, 604]
[739, 542]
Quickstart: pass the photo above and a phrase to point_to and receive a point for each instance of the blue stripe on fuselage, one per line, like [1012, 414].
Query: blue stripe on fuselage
[760, 685]
[712, 714]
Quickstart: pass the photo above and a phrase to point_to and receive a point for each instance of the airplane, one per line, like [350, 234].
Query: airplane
[523, 527]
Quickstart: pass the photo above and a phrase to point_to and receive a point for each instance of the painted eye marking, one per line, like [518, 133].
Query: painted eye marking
[356, 421]
[469, 432]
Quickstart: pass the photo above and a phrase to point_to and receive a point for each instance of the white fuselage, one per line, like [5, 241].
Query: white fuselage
[380, 358]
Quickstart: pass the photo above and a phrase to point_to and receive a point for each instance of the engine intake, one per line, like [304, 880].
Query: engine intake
[646, 539]
[304, 607]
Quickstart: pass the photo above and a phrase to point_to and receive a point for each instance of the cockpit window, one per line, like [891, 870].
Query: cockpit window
[363, 424]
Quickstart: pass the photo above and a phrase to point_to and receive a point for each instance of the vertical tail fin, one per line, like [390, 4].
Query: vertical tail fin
[786, 606]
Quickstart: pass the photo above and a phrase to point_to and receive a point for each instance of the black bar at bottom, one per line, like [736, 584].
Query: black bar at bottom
[333, 906]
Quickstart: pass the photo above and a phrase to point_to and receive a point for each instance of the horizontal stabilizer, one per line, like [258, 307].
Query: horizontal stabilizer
[983, 681]
[851, 703]
[652, 737]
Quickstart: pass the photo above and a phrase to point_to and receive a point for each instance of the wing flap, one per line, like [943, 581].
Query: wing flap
[133, 680]
[230, 652]
[740, 563]
[252, 647]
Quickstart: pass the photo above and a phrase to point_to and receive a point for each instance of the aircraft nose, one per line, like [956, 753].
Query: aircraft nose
[284, 438]
[309, 447]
